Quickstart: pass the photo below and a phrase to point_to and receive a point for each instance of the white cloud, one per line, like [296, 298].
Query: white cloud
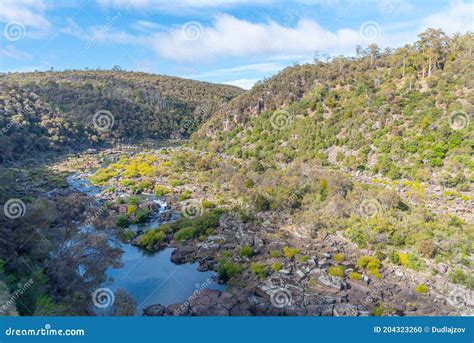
[255, 68]
[242, 83]
[103, 34]
[28, 12]
[73, 29]
[11, 52]
[457, 18]
[146, 26]
[232, 37]
[172, 6]
[393, 7]
[229, 37]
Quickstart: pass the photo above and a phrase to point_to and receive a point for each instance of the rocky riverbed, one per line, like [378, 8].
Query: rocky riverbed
[306, 288]
[302, 284]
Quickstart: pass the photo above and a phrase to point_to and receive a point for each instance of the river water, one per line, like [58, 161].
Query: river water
[150, 277]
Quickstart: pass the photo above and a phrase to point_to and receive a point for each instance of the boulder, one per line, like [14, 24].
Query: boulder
[332, 281]
[154, 310]
[181, 254]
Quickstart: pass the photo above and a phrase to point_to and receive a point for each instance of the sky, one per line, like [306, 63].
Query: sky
[231, 42]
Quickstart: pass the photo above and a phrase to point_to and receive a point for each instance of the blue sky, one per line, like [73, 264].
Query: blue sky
[233, 42]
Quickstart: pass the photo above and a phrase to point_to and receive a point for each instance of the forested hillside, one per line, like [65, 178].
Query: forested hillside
[346, 183]
[50, 110]
[403, 113]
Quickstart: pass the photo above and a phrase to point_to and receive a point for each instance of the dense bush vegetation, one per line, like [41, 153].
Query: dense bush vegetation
[392, 112]
[184, 228]
[227, 269]
[54, 110]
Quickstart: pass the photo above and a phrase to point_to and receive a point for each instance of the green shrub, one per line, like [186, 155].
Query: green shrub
[161, 190]
[456, 221]
[377, 311]
[246, 251]
[370, 263]
[414, 262]
[290, 252]
[151, 237]
[144, 185]
[132, 209]
[261, 203]
[228, 269]
[176, 183]
[126, 235]
[323, 189]
[355, 276]
[185, 195]
[259, 269]
[364, 261]
[275, 253]
[102, 176]
[127, 182]
[133, 201]
[204, 225]
[394, 257]
[277, 266]
[303, 258]
[339, 257]
[459, 277]
[421, 288]
[186, 233]
[142, 215]
[337, 271]
[207, 204]
[122, 221]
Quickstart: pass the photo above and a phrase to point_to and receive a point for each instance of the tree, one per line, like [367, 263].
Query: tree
[374, 52]
[433, 43]
[124, 304]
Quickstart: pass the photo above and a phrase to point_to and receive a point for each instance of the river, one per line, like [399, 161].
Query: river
[150, 277]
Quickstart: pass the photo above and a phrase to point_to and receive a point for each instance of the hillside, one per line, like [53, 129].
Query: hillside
[334, 188]
[403, 113]
[50, 110]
